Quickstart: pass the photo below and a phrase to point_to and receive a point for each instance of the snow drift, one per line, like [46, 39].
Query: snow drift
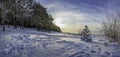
[31, 43]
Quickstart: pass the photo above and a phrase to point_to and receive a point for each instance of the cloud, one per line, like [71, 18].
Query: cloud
[77, 13]
[71, 15]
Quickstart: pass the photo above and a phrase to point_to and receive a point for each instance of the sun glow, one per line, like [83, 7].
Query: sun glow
[59, 23]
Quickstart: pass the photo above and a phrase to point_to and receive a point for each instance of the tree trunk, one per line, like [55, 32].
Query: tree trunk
[3, 28]
[3, 20]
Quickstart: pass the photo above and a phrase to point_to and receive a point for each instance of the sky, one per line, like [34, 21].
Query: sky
[72, 15]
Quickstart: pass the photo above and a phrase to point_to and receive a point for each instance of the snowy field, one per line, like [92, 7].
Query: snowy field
[30, 43]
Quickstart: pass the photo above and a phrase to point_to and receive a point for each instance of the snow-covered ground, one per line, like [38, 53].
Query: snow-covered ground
[31, 43]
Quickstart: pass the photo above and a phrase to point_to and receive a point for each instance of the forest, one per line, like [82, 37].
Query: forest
[26, 14]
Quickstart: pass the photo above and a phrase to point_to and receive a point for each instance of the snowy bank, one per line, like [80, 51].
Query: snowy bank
[31, 43]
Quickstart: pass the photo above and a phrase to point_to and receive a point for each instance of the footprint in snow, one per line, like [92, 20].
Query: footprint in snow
[77, 54]
[87, 55]
[92, 51]
[107, 53]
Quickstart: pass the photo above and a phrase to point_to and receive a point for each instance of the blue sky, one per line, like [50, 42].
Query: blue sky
[72, 15]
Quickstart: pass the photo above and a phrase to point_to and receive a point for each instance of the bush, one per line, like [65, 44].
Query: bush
[111, 26]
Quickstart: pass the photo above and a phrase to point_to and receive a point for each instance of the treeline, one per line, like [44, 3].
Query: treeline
[26, 13]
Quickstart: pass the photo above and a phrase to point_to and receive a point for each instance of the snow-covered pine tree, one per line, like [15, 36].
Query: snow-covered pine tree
[86, 34]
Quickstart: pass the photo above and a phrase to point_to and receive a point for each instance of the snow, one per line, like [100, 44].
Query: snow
[31, 43]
